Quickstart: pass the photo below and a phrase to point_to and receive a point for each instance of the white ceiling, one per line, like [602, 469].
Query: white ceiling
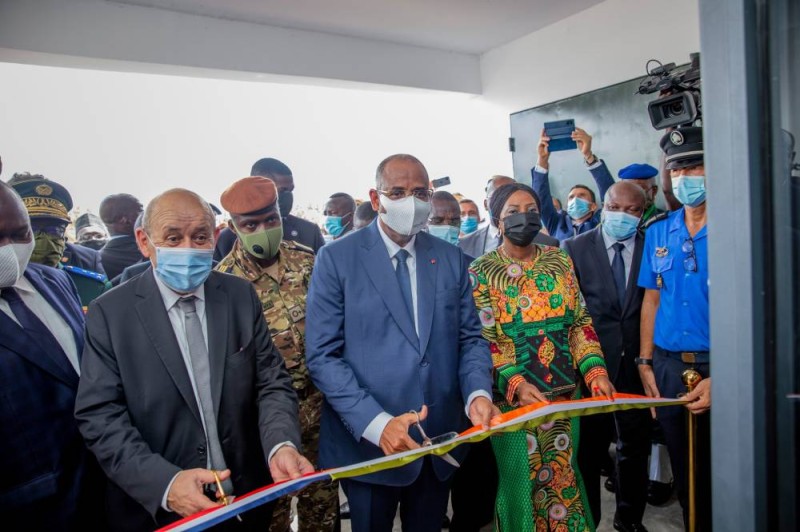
[469, 26]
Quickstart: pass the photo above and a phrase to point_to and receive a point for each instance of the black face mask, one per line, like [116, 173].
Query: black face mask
[96, 245]
[285, 202]
[521, 228]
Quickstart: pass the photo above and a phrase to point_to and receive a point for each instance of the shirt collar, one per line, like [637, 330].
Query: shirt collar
[170, 297]
[494, 232]
[628, 242]
[678, 223]
[24, 284]
[391, 245]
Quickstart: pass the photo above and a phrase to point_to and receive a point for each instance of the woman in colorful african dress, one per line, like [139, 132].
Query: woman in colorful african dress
[542, 342]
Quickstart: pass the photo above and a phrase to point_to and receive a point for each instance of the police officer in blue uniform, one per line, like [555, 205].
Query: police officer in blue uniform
[675, 324]
[48, 205]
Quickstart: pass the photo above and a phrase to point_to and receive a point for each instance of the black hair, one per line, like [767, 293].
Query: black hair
[269, 167]
[501, 195]
[443, 195]
[351, 203]
[584, 187]
[365, 212]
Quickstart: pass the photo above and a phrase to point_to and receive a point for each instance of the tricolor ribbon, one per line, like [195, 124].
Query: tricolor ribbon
[518, 419]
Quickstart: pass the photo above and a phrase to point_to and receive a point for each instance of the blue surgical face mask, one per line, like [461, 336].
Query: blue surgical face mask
[690, 189]
[619, 225]
[448, 233]
[577, 208]
[334, 226]
[469, 225]
[183, 269]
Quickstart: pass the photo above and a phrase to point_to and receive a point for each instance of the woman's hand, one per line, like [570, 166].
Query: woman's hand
[528, 394]
[602, 387]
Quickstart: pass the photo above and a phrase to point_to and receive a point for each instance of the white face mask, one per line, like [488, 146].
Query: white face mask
[406, 216]
[13, 262]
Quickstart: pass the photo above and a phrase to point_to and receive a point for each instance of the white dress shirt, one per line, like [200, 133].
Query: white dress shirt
[627, 252]
[376, 427]
[49, 317]
[492, 239]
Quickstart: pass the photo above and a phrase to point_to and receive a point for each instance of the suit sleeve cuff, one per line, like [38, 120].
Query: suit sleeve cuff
[164, 504]
[276, 448]
[540, 170]
[374, 430]
[474, 395]
[595, 164]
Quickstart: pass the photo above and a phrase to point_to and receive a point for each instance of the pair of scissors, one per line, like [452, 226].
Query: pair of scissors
[428, 442]
[223, 499]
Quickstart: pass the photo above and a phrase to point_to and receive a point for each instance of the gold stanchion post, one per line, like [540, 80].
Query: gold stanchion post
[691, 379]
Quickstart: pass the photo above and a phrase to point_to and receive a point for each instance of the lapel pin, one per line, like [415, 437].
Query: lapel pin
[433, 261]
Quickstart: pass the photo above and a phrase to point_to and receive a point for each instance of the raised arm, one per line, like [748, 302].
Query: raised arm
[597, 167]
[540, 182]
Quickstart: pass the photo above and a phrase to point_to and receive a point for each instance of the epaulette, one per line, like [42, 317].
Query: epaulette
[297, 246]
[657, 218]
[99, 277]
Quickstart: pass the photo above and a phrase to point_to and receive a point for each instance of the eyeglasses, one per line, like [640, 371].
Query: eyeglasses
[422, 194]
[690, 262]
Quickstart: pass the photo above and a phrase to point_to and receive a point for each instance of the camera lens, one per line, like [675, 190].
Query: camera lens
[674, 109]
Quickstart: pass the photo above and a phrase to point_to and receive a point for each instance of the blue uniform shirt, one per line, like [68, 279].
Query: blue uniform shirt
[682, 317]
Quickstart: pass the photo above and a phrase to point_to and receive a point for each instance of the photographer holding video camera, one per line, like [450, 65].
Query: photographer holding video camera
[674, 274]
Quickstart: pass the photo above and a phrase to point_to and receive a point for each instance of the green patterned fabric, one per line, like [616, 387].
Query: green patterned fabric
[540, 485]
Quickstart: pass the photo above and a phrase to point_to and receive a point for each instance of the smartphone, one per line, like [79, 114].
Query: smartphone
[560, 133]
[442, 181]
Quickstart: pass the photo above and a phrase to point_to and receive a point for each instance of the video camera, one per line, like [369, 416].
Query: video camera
[680, 103]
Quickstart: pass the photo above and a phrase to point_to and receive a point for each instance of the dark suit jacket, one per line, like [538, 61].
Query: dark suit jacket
[136, 408]
[474, 243]
[118, 254]
[44, 463]
[82, 257]
[130, 272]
[294, 228]
[617, 328]
[364, 354]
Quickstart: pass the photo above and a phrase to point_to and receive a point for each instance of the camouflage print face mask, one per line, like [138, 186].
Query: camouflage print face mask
[48, 249]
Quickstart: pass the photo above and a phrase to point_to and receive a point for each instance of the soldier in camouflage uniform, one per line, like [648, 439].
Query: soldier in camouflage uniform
[280, 272]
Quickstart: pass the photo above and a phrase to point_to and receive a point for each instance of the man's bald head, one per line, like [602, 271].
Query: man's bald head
[119, 213]
[626, 197]
[176, 218]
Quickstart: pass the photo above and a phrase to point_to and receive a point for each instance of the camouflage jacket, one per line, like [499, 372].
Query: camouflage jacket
[282, 290]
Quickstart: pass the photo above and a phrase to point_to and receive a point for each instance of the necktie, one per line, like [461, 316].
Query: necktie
[198, 353]
[618, 270]
[404, 280]
[33, 325]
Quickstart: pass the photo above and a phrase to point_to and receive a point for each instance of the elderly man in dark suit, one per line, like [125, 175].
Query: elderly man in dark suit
[487, 238]
[182, 382]
[606, 261]
[47, 473]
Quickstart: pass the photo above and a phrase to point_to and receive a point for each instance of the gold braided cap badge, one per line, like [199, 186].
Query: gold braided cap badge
[39, 206]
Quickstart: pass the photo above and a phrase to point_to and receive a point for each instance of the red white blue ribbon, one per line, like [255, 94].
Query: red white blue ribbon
[519, 419]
